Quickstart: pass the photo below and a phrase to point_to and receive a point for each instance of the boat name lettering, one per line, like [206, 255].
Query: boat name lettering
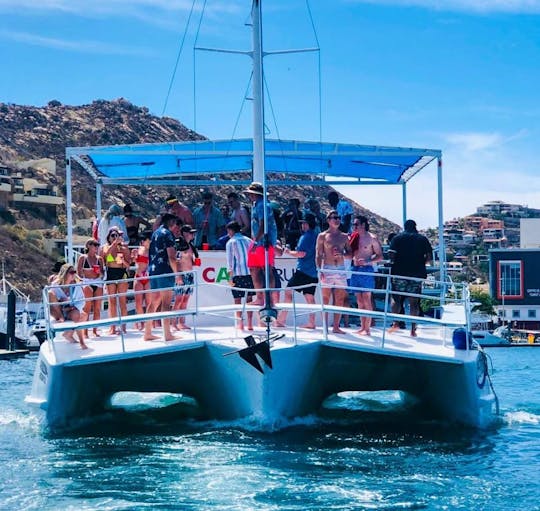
[209, 274]
[533, 292]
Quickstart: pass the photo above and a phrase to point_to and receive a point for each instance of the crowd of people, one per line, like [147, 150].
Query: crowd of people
[320, 242]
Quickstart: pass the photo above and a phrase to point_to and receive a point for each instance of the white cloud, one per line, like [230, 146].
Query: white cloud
[474, 6]
[475, 141]
[477, 168]
[77, 46]
[143, 9]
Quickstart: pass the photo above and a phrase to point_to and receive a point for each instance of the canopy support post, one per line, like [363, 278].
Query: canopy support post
[69, 213]
[442, 252]
[404, 202]
[98, 201]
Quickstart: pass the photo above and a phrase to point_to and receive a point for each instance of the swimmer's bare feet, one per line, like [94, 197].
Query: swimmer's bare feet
[337, 330]
[393, 328]
[172, 338]
[308, 326]
[150, 337]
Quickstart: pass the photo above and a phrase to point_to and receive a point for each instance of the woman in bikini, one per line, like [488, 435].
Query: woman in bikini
[90, 269]
[117, 260]
[142, 282]
[67, 301]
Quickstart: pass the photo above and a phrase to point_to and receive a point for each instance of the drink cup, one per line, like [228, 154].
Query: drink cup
[197, 261]
[205, 246]
[96, 269]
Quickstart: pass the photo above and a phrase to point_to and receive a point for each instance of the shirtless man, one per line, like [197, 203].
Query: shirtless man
[185, 256]
[366, 251]
[332, 248]
[174, 207]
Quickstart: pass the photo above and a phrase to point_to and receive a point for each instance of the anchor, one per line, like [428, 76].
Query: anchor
[254, 348]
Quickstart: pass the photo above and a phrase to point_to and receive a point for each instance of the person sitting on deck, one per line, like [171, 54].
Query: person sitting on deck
[332, 248]
[67, 301]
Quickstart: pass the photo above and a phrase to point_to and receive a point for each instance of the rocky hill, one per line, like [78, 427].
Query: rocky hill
[28, 132]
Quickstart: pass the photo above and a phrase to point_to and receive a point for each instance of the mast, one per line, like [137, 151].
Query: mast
[258, 95]
[259, 175]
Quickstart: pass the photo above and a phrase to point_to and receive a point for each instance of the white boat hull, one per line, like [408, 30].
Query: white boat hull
[70, 388]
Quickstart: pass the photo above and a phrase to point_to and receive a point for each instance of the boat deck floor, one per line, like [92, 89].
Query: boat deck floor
[428, 344]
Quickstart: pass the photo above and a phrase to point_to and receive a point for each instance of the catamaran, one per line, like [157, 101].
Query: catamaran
[268, 374]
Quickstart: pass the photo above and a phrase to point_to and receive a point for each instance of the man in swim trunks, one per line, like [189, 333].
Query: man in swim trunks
[332, 249]
[236, 251]
[185, 256]
[409, 252]
[162, 263]
[366, 251]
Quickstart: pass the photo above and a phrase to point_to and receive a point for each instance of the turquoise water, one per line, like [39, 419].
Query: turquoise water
[357, 454]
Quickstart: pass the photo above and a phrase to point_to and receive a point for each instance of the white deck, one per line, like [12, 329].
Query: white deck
[427, 345]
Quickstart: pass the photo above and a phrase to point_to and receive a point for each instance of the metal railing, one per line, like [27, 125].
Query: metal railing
[385, 291]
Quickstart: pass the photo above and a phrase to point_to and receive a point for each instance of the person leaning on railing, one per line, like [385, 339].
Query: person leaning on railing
[67, 302]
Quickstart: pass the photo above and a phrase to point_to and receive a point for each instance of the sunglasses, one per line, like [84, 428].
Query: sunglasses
[114, 235]
[334, 218]
[72, 271]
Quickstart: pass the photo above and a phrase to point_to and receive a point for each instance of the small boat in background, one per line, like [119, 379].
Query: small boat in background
[30, 325]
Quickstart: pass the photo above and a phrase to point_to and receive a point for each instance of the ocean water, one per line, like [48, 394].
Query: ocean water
[359, 453]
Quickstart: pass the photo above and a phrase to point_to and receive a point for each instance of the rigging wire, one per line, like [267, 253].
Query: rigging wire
[318, 73]
[178, 59]
[195, 66]
[275, 120]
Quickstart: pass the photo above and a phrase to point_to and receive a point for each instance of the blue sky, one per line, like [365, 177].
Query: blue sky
[458, 75]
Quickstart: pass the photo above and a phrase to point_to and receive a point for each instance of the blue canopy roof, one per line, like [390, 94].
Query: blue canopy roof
[220, 161]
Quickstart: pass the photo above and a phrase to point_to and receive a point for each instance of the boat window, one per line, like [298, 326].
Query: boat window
[515, 314]
[531, 313]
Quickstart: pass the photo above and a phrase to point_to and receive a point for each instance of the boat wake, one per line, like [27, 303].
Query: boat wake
[521, 417]
[145, 412]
